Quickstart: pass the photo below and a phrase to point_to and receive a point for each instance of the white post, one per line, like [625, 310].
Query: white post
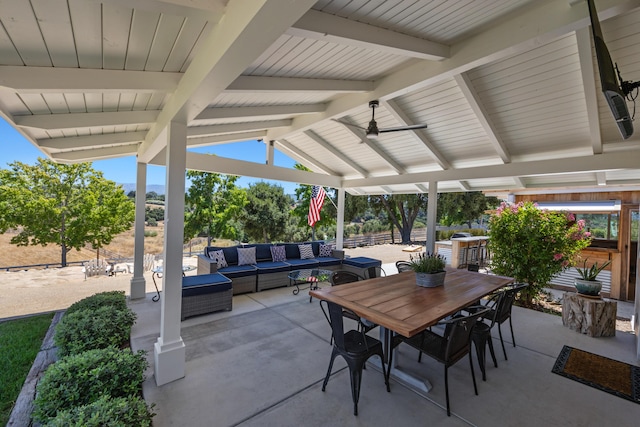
[138, 284]
[169, 350]
[340, 220]
[270, 148]
[432, 212]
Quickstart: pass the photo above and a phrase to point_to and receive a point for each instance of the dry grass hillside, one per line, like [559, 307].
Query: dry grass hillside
[12, 255]
[120, 247]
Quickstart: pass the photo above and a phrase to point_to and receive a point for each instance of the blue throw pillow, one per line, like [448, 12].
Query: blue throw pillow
[278, 254]
[325, 250]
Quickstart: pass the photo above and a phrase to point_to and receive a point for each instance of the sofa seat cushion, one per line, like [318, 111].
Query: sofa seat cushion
[297, 264]
[205, 284]
[328, 261]
[272, 267]
[234, 271]
[362, 262]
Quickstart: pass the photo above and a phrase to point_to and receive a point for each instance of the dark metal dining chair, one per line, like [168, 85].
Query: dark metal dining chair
[403, 266]
[341, 277]
[499, 304]
[448, 348]
[355, 347]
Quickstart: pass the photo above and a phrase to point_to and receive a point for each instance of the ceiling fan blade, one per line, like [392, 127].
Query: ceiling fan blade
[397, 129]
[349, 124]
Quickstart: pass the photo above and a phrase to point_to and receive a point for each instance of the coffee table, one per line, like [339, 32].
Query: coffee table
[310, 276]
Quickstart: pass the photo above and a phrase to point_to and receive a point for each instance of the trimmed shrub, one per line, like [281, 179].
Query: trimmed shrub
[83, 378]
[84, 330]
[112, 298]
[106, 412]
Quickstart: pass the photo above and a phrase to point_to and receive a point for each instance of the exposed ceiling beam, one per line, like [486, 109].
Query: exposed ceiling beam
[290, 84]
[245, 32]
[79, 142]
[86, 120]
[601, 178]
[225, 138]
[583, 38]
[464, 185]
[422, 188]
[526, 28]
[519, 182]
[336, 152]
[472, 97]
[217, 164]
[304, 158]
[95, 154]
[236, 127]
[601, 162]
[394, 109]
[335, 29]
[269, 110]
[76, 80]
[362, 136]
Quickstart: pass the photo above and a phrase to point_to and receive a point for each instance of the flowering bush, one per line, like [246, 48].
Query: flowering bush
[532, 245]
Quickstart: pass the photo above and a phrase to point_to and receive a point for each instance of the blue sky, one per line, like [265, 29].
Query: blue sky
[14, 147]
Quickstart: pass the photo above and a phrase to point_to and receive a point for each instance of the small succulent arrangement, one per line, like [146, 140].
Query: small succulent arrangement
[427, 263]
[591, 273]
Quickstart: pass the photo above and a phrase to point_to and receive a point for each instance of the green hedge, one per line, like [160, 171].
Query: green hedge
[106, 412]
[112, 298]
[92, 329]
[84, 378]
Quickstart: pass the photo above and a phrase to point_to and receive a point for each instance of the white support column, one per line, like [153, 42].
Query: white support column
[169, 350]
[138, 283]
[270, 146]
[432, 212]
[340, 220]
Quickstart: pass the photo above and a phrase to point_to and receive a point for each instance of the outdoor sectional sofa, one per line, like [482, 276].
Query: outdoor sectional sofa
[270, 270]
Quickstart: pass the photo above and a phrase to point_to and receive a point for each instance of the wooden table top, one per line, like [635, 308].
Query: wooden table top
[397, 303]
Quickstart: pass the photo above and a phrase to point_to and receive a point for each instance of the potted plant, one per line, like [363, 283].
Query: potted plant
[429, 269]
[588, 284]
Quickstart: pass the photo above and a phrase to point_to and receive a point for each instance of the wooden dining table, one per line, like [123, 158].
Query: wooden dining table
[397, 304]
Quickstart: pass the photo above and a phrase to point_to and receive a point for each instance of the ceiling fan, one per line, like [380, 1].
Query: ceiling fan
[373, 131]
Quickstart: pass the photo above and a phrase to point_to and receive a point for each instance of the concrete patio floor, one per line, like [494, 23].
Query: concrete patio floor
[263, 364]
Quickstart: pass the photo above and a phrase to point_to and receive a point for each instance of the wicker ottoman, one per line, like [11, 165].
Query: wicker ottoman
[363, 266]
[205, 293]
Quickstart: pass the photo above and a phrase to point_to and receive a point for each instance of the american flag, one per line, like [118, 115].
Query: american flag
[315, 204]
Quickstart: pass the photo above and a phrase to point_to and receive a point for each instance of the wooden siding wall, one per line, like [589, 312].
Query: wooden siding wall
[620, 287]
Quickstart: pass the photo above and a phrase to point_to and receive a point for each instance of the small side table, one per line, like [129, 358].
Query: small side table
[312, 277]
[595, 317]
[159, 271]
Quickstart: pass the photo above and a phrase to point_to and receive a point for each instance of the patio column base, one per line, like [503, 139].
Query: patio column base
[169, 361]
[138, 288]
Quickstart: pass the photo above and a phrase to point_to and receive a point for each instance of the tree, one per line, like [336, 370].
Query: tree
[465, 207]
[212, 202]
[401, 209]
[265, 216]
[303, 199]
[67, 205]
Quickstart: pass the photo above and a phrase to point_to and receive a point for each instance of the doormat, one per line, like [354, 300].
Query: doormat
[611, 376]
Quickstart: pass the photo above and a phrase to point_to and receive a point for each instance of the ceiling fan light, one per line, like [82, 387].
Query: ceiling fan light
[372, 130]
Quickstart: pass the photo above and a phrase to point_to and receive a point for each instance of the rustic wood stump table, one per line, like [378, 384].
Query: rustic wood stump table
[595, 317]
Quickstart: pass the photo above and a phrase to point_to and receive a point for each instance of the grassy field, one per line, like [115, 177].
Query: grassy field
[20, 341]
[122, 244]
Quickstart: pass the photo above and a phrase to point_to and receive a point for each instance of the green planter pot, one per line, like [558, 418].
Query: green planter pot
[588, 287]
[430, 280]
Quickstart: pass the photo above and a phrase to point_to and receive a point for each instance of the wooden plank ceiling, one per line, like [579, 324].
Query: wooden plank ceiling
[508, 88]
